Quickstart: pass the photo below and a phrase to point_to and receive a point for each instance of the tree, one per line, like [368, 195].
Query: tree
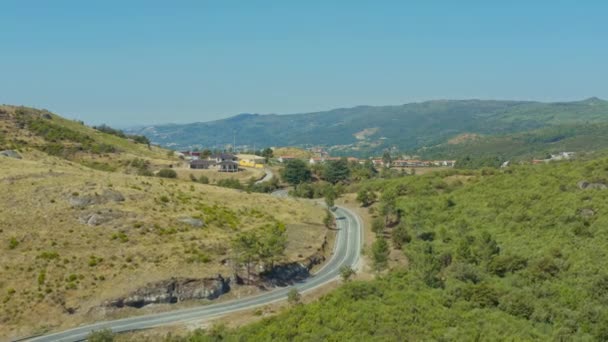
[267, 153]
[328, 220]
[293, 296]
[246, 248]
[296, 171]
[366, 197]
[380, 252]
[336, 171]
[272, 243]
[388, 206]
[206, 153]
[387, 159]
[330, 197]
[378, 226]
[346, 272]
[167, 173]
[400, 236]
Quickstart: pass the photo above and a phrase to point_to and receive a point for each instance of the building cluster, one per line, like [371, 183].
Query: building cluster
[555, 157]
[222, 162]
[399, 163]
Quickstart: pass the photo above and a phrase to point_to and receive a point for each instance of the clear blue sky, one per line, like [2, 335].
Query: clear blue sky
[139, 62]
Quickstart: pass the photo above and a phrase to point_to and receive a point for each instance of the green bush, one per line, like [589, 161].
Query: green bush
[167, 173]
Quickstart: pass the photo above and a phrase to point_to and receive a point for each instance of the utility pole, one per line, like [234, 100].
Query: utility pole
[234, 141]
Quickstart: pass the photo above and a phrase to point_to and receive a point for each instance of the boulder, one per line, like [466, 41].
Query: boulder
[99, 217]
[113, 195]
[10, 154]
[82, 201]
[197, 223]
[584, 185]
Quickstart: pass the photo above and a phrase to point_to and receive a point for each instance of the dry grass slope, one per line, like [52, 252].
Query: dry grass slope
[72, 237]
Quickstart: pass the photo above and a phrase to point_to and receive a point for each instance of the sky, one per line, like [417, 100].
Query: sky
[128, 63]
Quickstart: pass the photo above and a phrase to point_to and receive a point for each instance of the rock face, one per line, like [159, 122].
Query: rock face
[10, 154]
[584, 185]
[288, 274]
[174, 290]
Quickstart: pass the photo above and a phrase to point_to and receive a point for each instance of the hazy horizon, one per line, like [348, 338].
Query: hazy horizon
[347, 107]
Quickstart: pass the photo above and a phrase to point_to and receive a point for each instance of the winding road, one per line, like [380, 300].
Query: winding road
[347, 251]
[268, 176]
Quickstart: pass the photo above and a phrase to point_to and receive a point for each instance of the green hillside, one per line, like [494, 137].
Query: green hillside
[518, 254]
[535, 144]
[367, 129]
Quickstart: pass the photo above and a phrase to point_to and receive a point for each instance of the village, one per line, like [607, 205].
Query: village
[228, 162]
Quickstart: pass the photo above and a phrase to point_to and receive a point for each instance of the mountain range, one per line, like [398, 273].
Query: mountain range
[415, 128]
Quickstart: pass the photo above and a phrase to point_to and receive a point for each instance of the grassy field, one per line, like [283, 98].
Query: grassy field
[72, 237]
[183, 172]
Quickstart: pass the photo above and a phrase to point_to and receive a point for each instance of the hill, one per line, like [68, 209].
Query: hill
[74, 237]
[23, 128]
[534, 144]
[517, 254]
[368, 130]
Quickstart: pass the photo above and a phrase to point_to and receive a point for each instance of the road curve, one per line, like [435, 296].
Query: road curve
[268, 176]
[347, 251]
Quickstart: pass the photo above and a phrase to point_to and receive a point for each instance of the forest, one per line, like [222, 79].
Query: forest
[492, 254]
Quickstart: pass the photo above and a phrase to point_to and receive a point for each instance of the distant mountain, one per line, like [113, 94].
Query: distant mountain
[371, 129]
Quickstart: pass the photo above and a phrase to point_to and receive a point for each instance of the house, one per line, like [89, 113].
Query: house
[202, 164]
[189, 155]
[316, 160]
[410, 163]
[228, 166]
[562, 156]
[378, 162]
[222, 157]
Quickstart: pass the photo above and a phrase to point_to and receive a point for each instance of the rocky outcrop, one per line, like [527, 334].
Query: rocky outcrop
[584, 185]
[110, 195]
[10, 154]
[100, 217]
[83, 201]
[173, 290]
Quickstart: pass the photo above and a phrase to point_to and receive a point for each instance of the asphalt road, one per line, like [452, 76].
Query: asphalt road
[347, 251]
[269, 175]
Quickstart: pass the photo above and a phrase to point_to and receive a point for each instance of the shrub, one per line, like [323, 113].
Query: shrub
[13, 243]
[167, 173]
[105, 335]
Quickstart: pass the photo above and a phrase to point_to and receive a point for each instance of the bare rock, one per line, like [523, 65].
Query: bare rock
[584, 185]
[99, 217]
[197, 223]
[10, 154]
[113, 195]
[82, 201]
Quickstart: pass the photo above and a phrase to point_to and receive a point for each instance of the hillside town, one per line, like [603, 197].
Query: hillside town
[228, 162]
